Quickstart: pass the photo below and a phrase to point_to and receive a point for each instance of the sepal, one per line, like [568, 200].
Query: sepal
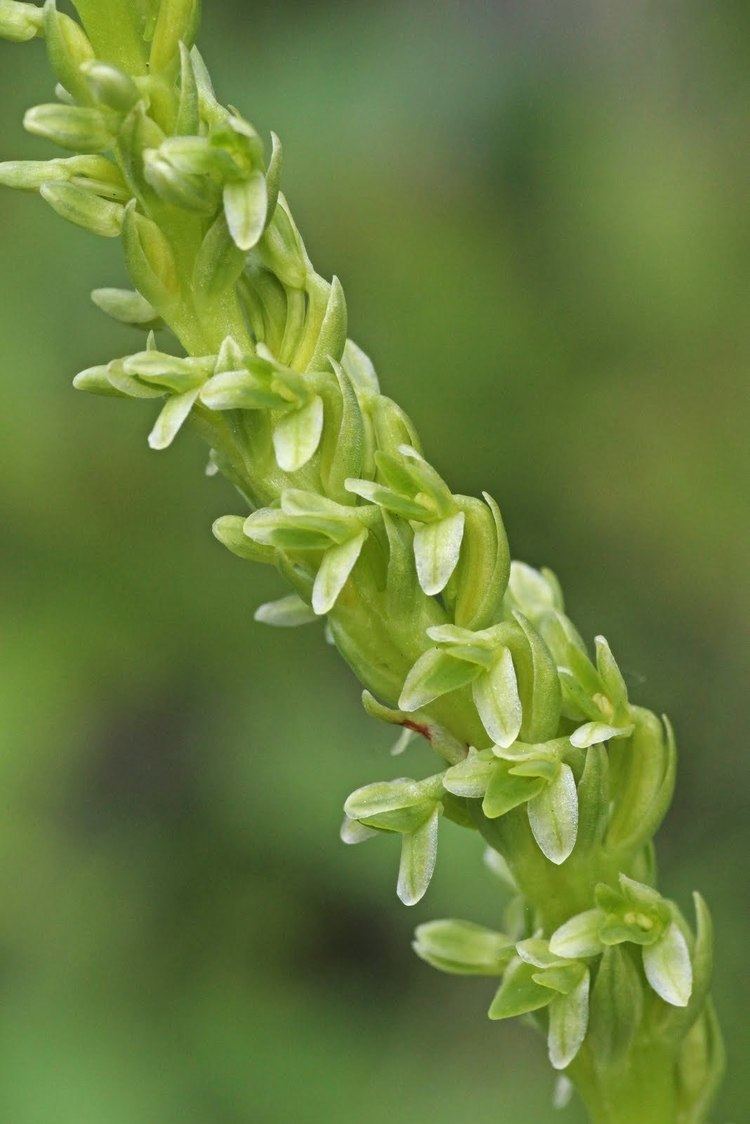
[297, 435]
[616, 1006]
[288, 612]
[534, 593]
[519, 993]
[308, 522]
[96, 380]
[127, 306]
[229, 531]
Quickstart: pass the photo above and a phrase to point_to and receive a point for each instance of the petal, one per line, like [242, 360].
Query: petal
[297, 436]
[436, 550]
[568, 1022]
[578, 937]
[553, 816]
[418, 858]
[245, 207]
[498, 702]
[171, 419]
[668, 968]
[338, 563]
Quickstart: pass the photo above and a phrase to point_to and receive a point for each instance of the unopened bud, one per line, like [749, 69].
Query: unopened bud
[282, 249]
[149, 258]
[19, 22]
[183, 189]
[74, 127]
[68, 49]
[29, 175]
[84, 208]
[177, 22]
[110, 85]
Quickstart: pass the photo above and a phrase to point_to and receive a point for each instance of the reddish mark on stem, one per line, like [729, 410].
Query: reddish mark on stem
[418, 728]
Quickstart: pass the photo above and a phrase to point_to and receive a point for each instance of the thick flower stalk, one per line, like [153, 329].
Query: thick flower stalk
[541, 750]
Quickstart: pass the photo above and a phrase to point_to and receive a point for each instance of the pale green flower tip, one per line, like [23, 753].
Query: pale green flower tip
[125, 306]
[288, 612]
[352, 832]
[95, 381]
[28, 175]
[594, 733]
[19, 23]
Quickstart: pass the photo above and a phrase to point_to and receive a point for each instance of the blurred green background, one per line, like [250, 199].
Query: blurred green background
[541, 216]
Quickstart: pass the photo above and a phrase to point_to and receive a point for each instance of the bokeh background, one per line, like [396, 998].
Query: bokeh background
[541, 216]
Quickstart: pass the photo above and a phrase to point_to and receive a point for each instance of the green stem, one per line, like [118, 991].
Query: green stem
[115, 30]
[640, 1091]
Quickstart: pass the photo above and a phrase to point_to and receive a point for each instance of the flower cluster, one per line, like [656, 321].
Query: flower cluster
[543, 753]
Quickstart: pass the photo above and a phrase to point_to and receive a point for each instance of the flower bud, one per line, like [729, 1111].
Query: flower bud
[273, 175]
[19, 22]
[463, 948]
[138, 132]
[392, 427]
[84, 208]
[110, 85]
[149, 259]
[76, 127]
[324, 332]
[95, 172]
[177, 22]
[342, 445]
[282, 249]
[646, 766]
[189, 191]
[68, 49]
[482, 572]
[219, 262]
